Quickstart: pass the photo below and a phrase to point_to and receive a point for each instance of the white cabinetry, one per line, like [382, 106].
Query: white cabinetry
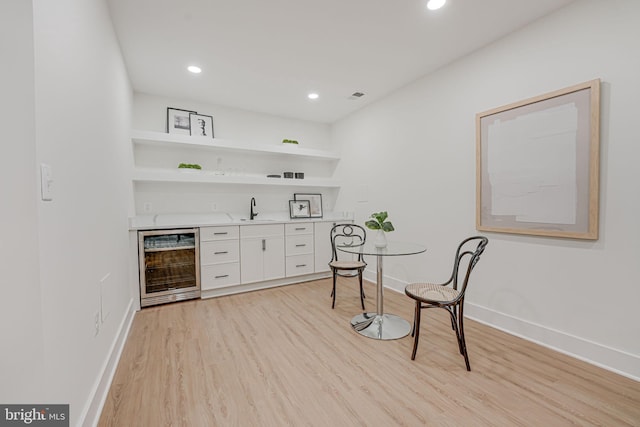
[219, 257]
[261, 252]
[299, 248]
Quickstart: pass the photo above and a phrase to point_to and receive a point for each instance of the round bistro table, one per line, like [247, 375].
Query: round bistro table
[381, 325]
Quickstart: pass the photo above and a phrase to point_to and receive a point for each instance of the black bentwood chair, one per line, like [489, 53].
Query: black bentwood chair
[343, 265]
[429, 295]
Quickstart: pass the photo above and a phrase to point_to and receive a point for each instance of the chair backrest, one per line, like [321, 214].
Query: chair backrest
[467, 256]
[346, 234]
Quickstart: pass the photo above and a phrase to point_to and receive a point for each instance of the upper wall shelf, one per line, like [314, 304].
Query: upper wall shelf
[156, 138]
[165, 175]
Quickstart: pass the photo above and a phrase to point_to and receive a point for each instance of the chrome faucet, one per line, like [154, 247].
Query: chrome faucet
[253, 204]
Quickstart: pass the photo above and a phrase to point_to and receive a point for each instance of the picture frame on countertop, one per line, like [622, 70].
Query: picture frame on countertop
[299, 209]
[315, 203]
[201, 125]
[178, 121]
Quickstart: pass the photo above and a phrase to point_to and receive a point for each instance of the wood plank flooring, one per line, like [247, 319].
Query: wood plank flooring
[283, 357]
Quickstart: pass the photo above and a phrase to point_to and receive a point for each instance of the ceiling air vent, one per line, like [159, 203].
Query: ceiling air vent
[356, 95]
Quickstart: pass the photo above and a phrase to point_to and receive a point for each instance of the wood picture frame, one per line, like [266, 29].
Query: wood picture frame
[299, 209]
[201, 125]
[537, 165]
[178, 121]
[315, 203]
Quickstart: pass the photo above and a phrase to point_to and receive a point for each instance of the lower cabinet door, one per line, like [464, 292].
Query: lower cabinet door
[261, 259]
[322, 245]
[219, 275]
[273, 262]
[251, 256]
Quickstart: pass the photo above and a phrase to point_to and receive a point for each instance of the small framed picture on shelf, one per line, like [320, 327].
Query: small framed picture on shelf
[315, 203]
[178, 121]
[299, 209]
[201, 125]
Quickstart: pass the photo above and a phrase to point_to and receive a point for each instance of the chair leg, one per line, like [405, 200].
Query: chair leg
[454, 323]
[462, 341]
[416, 330]
[361, 291]
[333, 292]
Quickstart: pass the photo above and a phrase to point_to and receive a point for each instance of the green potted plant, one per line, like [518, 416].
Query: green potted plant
[189, 167]
[379, 222]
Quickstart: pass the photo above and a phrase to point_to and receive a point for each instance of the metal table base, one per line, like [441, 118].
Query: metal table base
[381, 326]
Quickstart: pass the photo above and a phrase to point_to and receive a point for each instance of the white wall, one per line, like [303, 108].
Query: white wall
[66, 102]
[413, 154]
[238, 126]
[22, 355]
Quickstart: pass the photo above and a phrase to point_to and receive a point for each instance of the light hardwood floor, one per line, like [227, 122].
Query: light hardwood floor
[282, 357]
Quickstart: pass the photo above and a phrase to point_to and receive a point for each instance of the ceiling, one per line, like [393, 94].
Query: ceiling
[267, 55]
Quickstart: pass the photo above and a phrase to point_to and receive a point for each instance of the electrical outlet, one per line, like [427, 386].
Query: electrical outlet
[147, 207]
[97, 323]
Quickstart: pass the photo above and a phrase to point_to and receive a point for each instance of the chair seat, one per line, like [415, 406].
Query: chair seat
[430, 292]
[347, 265]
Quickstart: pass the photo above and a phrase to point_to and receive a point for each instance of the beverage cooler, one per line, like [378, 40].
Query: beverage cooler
[169, 265]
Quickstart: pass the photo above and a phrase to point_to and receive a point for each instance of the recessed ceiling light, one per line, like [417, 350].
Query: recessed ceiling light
[435, 4]
[313, 95]
[194, 69]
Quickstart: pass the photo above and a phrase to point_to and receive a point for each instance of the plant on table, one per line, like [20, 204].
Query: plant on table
[379, 222]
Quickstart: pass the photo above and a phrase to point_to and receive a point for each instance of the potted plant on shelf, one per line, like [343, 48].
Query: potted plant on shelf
[189, 167]
[380, 223]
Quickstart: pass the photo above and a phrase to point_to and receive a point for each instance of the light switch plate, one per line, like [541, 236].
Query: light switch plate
[46, 181]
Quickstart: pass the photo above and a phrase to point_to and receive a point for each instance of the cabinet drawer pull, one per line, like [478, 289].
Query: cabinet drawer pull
[264, 245]
[300, 265]
[301, 228]
[221, 252]
[220, 233]
[221, 276]
[301, 245]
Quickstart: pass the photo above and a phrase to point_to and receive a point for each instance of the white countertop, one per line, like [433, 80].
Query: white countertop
[165, 221]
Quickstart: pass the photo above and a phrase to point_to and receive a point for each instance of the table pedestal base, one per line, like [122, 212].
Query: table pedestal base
[381, 327]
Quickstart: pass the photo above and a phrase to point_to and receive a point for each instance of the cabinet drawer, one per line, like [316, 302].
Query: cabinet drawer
[298, 245]
[298, 228]
[299, 264]
[263, 230]
[217, 252]
[220, 275]
[219, 233]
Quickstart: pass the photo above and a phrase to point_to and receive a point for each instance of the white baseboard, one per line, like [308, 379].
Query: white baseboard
[92, 411]
[611, 359]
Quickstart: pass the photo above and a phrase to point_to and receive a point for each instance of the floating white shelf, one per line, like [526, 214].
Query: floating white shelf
[160, 138]
[168, 175]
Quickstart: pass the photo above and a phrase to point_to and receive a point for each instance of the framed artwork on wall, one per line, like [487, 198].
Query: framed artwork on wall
[299, 209]
[315, 203]
[201, 125]
[178, 121]
[537, 165]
